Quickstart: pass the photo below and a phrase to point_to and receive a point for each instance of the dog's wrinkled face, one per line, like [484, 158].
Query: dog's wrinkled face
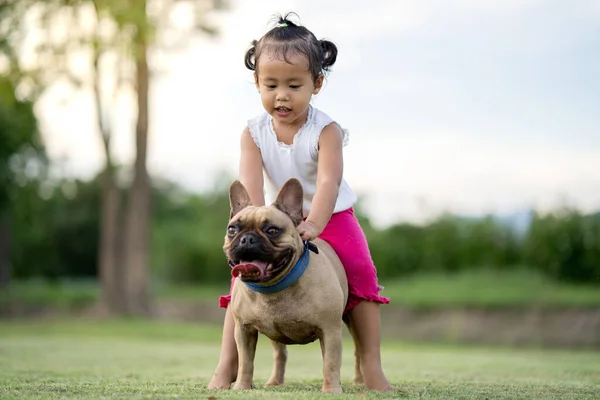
[262, 243]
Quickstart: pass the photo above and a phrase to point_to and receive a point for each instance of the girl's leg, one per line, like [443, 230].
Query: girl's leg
[346, 237]
[226, 372]
[365, 324]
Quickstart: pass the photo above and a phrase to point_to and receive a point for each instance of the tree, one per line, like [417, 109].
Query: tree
[117, 38]
[19, 136]
[19, 141]
[18, 133]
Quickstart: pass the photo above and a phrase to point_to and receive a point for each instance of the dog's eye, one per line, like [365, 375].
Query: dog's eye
[231, 230]
[272, 231]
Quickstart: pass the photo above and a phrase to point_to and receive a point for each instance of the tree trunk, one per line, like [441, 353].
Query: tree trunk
[109, 265]
[138, 211]
[109, 260]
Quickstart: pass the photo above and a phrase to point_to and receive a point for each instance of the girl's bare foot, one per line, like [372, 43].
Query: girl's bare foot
[223, 377]
[373, 376]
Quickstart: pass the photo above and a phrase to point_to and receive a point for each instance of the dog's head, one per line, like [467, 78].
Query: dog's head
[262, 243]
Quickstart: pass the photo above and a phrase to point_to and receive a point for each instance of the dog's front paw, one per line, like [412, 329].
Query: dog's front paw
[243, 386]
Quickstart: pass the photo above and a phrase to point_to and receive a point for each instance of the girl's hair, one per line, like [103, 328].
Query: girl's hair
[288, 38]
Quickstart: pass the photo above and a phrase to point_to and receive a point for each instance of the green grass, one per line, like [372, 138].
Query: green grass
[490, 288]
[148, 359]
[61, 293]
[476, 288]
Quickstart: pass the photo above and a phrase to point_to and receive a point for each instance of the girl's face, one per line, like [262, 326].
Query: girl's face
[286, 88]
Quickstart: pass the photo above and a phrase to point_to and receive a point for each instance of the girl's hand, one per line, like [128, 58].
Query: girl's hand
[308, 230]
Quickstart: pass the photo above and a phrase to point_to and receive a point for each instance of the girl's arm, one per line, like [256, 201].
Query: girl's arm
[329, 177]
[250, 173]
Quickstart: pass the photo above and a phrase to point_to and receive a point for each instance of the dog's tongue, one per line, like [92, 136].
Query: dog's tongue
[250, 269]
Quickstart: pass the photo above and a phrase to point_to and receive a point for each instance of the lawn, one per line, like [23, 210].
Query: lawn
[151, 359]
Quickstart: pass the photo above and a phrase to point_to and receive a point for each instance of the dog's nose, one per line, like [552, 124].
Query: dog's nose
[248, 239]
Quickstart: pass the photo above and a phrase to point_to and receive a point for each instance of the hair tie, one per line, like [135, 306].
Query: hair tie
[282, 24]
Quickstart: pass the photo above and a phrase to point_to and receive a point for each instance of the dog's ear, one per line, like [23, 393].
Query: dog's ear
[238, 198]
[290, 200]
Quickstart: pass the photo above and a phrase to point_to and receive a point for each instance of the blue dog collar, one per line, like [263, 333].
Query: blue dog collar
[292, 276]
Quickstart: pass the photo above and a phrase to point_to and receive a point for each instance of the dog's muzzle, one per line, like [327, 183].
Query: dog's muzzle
[259, 270]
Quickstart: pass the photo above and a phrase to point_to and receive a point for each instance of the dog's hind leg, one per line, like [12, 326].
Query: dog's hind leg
[279, 361]
[358, 378]
[246, 337]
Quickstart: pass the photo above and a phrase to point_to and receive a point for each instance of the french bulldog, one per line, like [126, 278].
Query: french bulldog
[283, 289]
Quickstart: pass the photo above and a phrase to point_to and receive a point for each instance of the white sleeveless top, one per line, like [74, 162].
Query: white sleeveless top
[298, 160]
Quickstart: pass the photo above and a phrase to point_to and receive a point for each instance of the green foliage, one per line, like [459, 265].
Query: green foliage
[55, 229]
[19, 139]
[55, 234]
[447, 244]
[565, 245]
[188, 237]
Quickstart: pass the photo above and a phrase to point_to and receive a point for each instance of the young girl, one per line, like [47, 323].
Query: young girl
[293, 139]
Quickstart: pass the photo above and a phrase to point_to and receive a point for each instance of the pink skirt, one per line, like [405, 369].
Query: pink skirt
[345, 235]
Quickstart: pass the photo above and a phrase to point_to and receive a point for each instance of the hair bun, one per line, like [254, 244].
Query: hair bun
[284, 20]
[329, 53]
[249, 57]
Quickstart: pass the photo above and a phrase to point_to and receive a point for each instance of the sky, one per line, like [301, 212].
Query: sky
[463, 106]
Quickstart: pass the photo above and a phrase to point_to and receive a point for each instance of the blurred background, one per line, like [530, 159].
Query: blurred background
[474, 148]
